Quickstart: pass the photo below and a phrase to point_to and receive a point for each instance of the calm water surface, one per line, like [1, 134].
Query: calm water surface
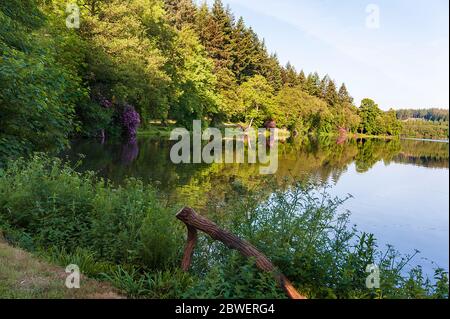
[400, 189]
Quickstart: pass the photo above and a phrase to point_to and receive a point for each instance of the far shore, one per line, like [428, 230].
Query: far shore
[156, 129]
[424, 139]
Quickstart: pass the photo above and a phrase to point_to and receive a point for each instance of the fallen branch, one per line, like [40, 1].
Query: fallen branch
[195, 222]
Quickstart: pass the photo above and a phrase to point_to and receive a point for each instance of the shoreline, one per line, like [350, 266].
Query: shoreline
[164, 131]
[424, 139]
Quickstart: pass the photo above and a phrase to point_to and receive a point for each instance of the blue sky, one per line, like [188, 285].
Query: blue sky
[402, 63]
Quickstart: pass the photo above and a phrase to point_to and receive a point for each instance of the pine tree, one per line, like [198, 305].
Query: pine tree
[215, 31]
[242, 49]
[250, 57]
[221, 49]
[313, 84]
[302, 79]
[224, 18]
[344, 96]
[290, 76]
[258, 52]
[331, 94]
[272, 72]
[323, 86]
[208, 31]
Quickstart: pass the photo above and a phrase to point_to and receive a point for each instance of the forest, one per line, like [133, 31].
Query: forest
[433, 114]
[424, 123]
[134, 61]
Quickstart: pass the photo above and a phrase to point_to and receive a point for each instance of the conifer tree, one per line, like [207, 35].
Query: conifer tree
[242, 49]
[214, 31]
[323, 86]
[313, 84]
[272, 72]
[290, 76]
[302, 79]
[223, 29]
[343, 95]
[208, 31]
[331, 94]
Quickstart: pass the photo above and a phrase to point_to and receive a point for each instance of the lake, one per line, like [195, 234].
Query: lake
[400, 188]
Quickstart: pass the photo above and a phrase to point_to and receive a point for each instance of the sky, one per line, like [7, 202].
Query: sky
[393, 51]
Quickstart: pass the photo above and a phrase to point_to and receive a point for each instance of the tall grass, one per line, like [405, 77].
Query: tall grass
[45, 204]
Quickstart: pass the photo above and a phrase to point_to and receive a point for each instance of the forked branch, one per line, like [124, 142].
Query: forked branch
[195, 222]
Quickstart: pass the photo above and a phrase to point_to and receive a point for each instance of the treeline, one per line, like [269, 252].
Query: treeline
[135, 60]
[425, 129]
[424, 123]
[433, 114]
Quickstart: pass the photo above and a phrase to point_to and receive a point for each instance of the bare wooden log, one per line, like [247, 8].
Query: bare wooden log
[189, 249]
[195, 222]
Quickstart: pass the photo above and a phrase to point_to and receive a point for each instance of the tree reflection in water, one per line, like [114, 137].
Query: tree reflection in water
[129, 151]
[315, 159]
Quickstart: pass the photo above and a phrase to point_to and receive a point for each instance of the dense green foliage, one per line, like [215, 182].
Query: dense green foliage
[38, 89]
[127, 236]
[376, 122]
[166, 59]
[60, 208]
[424, 123]
[425, 129]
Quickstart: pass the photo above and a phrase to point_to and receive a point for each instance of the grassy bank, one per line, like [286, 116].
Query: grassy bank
[367, 136]
[157, 129]
[25, 276]
[129, 236]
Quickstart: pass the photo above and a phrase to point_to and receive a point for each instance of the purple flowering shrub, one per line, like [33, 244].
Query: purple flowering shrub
[130, 120]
